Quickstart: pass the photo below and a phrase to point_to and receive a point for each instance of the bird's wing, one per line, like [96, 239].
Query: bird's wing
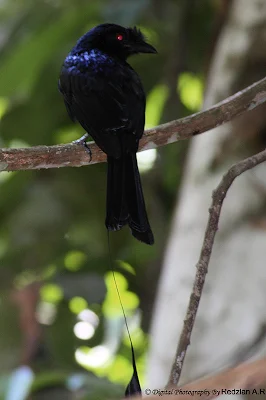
[111, 110]
[66, 101]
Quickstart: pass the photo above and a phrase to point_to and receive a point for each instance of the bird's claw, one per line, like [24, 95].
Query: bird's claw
[82, 141]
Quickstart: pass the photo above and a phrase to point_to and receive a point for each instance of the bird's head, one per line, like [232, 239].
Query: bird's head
[115, 40]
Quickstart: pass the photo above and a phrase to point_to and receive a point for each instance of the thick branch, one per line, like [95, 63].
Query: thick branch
[202, 266]
[248, 377]
[73, 155]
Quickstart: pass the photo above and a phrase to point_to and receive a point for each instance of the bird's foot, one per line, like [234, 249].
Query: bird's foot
[82, 141]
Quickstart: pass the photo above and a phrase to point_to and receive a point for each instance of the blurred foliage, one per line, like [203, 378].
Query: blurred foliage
[158, 95]
[52, 222]
[190, 89]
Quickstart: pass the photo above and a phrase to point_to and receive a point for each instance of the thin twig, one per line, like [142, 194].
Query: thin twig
[73, 155]
[245, 379]
[218, 197]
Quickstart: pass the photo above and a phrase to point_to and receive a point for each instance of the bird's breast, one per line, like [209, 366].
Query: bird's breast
[92, 62]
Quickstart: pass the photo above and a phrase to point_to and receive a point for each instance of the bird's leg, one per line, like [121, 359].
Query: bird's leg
[82, 141]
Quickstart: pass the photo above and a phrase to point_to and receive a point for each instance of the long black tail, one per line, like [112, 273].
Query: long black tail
[125, 201]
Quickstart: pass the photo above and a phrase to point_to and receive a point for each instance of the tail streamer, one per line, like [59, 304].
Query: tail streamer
[133, 387]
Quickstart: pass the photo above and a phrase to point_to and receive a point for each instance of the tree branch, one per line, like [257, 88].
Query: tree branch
[73, 155]
[246, 377]
[218, 197]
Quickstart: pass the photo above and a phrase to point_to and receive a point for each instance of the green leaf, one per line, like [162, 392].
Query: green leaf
[74, 260]
[111, 305]
[77, 304]
[190, 88]
[155, 104]
[51, 293]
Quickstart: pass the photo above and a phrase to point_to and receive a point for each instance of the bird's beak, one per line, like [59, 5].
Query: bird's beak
[145, 48]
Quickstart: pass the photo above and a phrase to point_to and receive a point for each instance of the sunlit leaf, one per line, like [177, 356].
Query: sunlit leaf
[120, 371]
[74, 260]
[3, 106]
[77, 304]
[190, 89]
[51, 293]
[119, 278]
[155, 103]
[139, 338]
[111, 305]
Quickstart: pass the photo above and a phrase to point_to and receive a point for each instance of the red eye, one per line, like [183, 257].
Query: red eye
[119, 37]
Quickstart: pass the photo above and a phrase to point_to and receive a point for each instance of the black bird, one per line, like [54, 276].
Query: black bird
[105, 95]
